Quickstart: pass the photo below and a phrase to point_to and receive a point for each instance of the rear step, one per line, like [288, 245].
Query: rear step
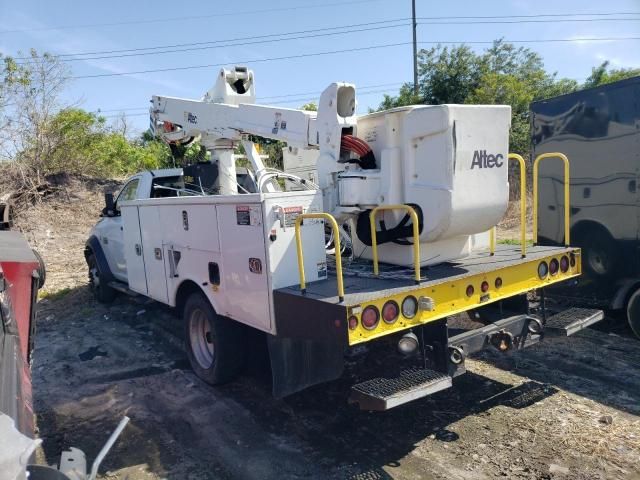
[385, 393]
[571, 321]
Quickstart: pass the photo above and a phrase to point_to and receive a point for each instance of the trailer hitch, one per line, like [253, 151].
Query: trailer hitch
[502, 340]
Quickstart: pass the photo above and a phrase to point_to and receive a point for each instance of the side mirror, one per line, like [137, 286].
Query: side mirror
[109, 209]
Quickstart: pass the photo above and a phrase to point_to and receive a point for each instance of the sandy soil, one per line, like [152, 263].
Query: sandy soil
[567, 409]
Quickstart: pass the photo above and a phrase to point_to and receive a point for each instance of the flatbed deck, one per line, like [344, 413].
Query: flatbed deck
[360, 284]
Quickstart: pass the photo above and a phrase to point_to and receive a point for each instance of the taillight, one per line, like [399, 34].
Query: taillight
[470, 290]
[409, 307]
[353, 322]
[564, 264]
[370, 317]
[390, 312]
[543, 270]
[572, 259]
[498, 282]
[484, 286]
[554, 266]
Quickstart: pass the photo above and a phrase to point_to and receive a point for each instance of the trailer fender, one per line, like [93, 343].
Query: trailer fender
[93, 246]
[625, 290]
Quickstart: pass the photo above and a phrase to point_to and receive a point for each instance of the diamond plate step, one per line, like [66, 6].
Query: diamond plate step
[386, 393]
[572, 320]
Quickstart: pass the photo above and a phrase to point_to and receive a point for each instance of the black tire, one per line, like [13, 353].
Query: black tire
[633, 312]
[101, 291]
[42, 270]
[600, 256]
[214, 344]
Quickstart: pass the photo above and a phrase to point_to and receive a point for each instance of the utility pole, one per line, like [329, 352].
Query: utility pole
[415, 50]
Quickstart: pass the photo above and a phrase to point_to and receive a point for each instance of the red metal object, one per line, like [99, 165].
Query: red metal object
[20, 277]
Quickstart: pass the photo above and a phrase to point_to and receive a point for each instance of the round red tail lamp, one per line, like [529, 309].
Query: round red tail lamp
[370, 317]
[470, 290]
[353, 322]
[390, 312]
[564, 264]
[484, 286]
[554, 266]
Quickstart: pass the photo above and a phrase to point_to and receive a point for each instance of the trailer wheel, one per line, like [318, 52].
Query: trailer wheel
[599, 252]
[633, 312]
[214, 344]
[101, 291]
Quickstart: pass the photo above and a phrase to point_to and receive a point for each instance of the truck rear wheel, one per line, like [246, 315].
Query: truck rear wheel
[633, 312]
[214, 344]
[101, 291]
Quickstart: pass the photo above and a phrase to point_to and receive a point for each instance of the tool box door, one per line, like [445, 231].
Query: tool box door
[244, 267]
[133, 250]
[153, 253]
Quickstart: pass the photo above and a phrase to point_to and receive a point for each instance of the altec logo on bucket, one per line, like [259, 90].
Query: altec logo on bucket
[483, 160]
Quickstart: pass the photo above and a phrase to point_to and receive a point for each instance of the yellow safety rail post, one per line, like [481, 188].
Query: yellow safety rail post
[564, 158]
[492, 241]
[416, 236]
[336, 240]
[523, 201]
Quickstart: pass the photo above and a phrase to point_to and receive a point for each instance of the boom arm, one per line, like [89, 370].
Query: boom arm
[227, 112]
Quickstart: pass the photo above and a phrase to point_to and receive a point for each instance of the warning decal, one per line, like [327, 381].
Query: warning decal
[290, 215]
[243, 214]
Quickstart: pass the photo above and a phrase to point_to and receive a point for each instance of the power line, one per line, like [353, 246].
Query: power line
[378, 27]
[258, 60]
[194, 17]
[491, 22]
[350, 50]
[194, 46]
[236, 39]
[537, 15]
[302, 7]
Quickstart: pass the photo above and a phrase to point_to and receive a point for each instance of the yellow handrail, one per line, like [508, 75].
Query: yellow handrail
[416, 236]
[523, 201]
[336, 241]
[492, 240]
[564, 158]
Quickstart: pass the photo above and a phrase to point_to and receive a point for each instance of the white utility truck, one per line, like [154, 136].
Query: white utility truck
[417, 191]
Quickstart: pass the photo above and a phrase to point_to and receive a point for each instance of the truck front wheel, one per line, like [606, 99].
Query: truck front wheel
[214, 344]
[101, 291]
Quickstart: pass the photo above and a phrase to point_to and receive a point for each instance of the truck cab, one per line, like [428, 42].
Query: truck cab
[109, 229]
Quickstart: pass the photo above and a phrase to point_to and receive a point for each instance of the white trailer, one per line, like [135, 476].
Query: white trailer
[419, 188]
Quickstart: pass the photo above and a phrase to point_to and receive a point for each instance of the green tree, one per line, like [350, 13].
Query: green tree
[601, 75]
[503, 74]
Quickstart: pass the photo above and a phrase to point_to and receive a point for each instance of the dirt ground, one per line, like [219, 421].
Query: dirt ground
[566, 409]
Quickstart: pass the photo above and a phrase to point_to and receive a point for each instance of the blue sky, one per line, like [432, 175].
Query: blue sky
[30, 23]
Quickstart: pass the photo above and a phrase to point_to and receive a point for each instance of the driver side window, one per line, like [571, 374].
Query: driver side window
[128, 192]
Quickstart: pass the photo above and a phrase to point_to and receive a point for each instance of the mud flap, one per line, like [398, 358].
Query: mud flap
[300, 363]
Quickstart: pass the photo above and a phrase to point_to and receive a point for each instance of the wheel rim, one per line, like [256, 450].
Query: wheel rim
[94, 277]
[201, 338]
[598, 262]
